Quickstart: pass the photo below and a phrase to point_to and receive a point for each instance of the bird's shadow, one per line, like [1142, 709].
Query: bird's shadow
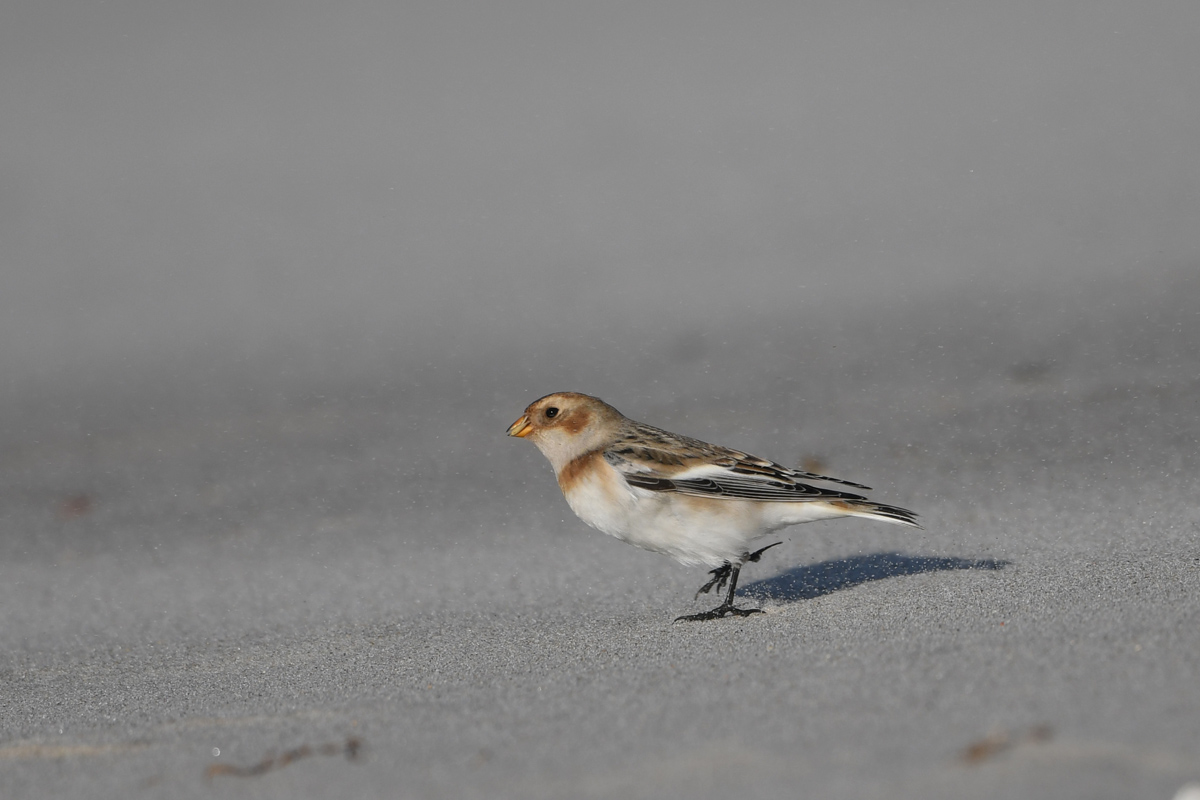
[816, 580]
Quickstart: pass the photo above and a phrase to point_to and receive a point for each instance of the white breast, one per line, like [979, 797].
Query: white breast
[690, 530]
[603, 499]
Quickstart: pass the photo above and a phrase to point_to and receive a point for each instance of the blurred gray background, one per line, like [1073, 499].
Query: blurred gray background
[299, 185]
[275, 277]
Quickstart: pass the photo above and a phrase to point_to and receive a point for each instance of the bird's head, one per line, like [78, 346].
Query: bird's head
[565, 425]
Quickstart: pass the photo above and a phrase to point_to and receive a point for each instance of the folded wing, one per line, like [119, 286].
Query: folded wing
[730, 474]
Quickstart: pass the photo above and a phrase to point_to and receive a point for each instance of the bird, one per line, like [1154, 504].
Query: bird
[700, 503]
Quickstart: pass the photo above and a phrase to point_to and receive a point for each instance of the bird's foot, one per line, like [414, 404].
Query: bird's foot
[757, 554]
[720, 576]
[720, 611]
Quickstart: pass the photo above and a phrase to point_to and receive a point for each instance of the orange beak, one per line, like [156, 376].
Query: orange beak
[521, 428]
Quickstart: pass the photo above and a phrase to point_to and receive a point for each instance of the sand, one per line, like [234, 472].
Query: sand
[211, 592]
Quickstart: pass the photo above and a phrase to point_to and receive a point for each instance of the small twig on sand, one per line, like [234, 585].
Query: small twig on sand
[350, 749]
[996, 743]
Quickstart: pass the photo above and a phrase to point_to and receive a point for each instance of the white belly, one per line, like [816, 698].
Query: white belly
[692, 530]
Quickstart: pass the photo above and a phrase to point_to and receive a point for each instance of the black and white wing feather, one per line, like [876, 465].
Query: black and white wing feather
[659, 461]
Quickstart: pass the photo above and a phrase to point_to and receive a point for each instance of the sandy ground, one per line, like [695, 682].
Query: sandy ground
[359, 587]
[276, 277]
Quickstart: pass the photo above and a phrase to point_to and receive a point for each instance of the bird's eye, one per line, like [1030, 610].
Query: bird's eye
[551, 412]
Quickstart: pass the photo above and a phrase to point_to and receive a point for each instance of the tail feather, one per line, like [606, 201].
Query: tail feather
[881, 512]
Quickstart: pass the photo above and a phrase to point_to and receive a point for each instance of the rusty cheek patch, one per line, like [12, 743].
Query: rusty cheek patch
[577, 420]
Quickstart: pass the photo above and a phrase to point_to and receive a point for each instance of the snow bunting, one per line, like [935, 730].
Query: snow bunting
[696, 502]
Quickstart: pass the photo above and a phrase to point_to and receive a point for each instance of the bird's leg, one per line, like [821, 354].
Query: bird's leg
[720, 575]
[727, 607]
[726, 573]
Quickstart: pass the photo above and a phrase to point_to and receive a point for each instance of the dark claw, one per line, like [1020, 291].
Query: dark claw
[720, 576]
[718, 612]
